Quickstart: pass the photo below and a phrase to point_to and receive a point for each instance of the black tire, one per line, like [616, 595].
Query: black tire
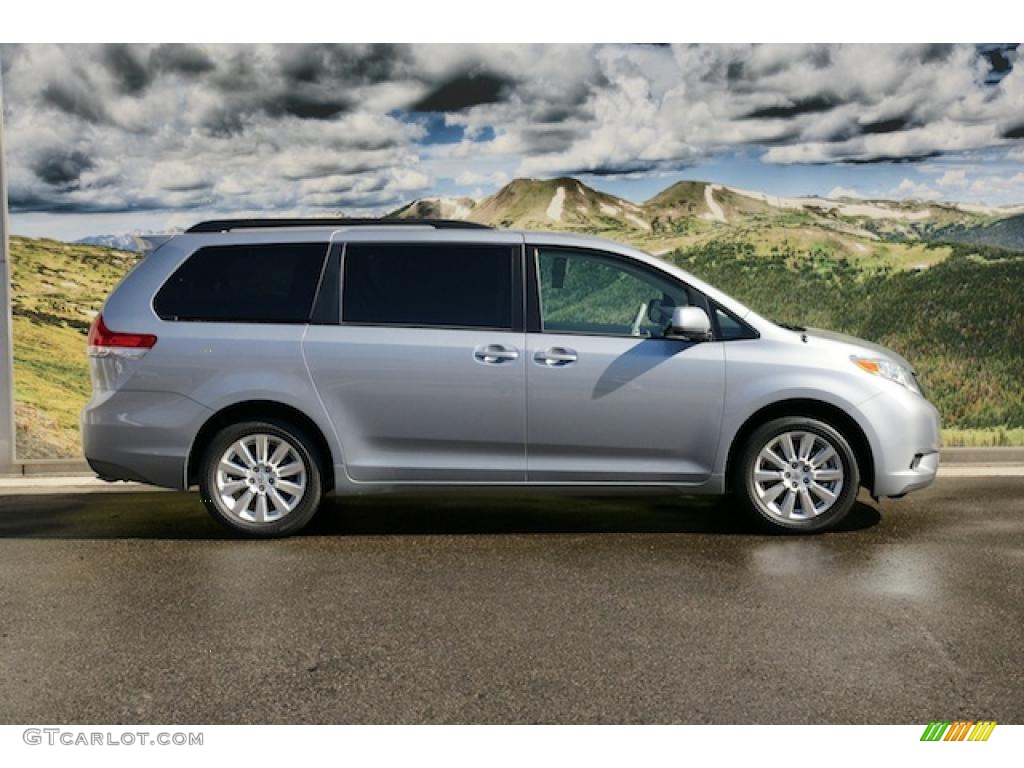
[290, 521]
[753, 502]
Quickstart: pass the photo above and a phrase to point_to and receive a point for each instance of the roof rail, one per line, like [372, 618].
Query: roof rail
[227, 225]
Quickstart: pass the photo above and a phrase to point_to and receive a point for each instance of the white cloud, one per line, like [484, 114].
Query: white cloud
[323, 127]
[233, 130]
[914, 190]
[471, 178]
[999, 187]
[953, 178]
[838, 192]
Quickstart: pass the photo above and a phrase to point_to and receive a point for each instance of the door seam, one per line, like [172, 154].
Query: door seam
[524, 272]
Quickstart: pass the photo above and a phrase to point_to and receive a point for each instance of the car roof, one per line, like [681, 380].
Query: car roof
[235, 225]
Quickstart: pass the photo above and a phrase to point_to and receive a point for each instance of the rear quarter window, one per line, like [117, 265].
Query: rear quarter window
[244, 284]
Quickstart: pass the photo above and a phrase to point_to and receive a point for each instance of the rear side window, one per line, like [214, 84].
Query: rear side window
[453, 285]
[244, 284]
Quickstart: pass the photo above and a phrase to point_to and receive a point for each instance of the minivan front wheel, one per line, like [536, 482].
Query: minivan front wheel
[797, 474]
[261, 479]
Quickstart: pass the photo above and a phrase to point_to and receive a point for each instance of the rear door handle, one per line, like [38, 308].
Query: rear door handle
[494, 354]
[555, 357]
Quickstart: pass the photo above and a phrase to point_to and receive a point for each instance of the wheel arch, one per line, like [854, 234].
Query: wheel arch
[807, 407]
[255, 410]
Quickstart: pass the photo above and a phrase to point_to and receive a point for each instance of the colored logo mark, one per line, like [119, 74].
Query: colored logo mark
[958, 730]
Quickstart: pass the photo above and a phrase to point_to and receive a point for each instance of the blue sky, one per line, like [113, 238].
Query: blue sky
[113, 138]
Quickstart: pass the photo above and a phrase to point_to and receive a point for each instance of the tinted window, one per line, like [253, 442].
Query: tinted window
[730, 327]
[428, 285]
[244, 283]
[583, 292]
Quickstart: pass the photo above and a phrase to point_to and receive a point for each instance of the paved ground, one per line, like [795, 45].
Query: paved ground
[131, 607]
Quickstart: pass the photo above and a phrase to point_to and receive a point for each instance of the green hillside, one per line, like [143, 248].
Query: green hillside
[56, 290]
[960, 321]
[1004, 233]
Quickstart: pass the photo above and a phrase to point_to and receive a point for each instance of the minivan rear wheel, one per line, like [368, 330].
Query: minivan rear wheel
[797, 474]
[261, 478]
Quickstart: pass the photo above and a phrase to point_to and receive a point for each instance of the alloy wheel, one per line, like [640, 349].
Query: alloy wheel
[798, 475]
[261, 478]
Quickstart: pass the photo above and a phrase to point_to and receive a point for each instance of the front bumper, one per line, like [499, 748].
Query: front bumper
[903, 429]
[920, 475]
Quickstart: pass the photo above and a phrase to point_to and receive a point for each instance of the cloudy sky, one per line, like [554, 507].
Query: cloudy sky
[103, 139]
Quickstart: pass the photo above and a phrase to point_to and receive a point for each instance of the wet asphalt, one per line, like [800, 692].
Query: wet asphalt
[136, 608]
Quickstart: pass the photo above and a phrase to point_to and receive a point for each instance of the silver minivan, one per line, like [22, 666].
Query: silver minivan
[271, 362]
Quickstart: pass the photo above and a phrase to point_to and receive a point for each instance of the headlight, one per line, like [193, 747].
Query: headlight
[887, 369]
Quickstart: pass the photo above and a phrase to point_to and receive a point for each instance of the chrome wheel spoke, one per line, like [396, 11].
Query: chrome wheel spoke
[241, 449]
[282, 506]
[787, 447]
[767, 475]
[228, 466]
[825, 454]
[805, 445]
[822, 492]
[233, 487]
[787, 505]
[769, 455]
[289, 487]
[279, 453]
[241, 504]
[261, 508]
[806, 503]
[828, 475]
[773, 493]
[290, 469]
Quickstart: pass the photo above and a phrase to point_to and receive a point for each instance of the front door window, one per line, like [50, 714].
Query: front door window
[585, 293]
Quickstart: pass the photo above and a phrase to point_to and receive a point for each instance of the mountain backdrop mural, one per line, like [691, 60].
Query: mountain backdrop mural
[871, 189]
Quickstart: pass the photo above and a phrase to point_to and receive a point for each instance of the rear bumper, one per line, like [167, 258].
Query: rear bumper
[905, 441]
[141, 436]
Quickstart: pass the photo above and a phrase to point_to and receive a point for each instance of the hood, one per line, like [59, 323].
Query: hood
[865, 346]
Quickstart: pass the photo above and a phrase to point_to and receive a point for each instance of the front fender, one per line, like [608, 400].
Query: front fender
[763, 374]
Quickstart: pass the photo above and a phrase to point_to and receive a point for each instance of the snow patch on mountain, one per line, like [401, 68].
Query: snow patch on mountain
[638, 221]
[715, 212]
[864, 209]
[554, 210]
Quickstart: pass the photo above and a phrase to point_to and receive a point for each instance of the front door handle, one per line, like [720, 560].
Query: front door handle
[494, 354]
[555, 357]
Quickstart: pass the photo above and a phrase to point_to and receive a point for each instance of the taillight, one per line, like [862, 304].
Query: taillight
[104, 342]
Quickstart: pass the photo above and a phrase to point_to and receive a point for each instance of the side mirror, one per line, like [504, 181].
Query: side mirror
[690, 323]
